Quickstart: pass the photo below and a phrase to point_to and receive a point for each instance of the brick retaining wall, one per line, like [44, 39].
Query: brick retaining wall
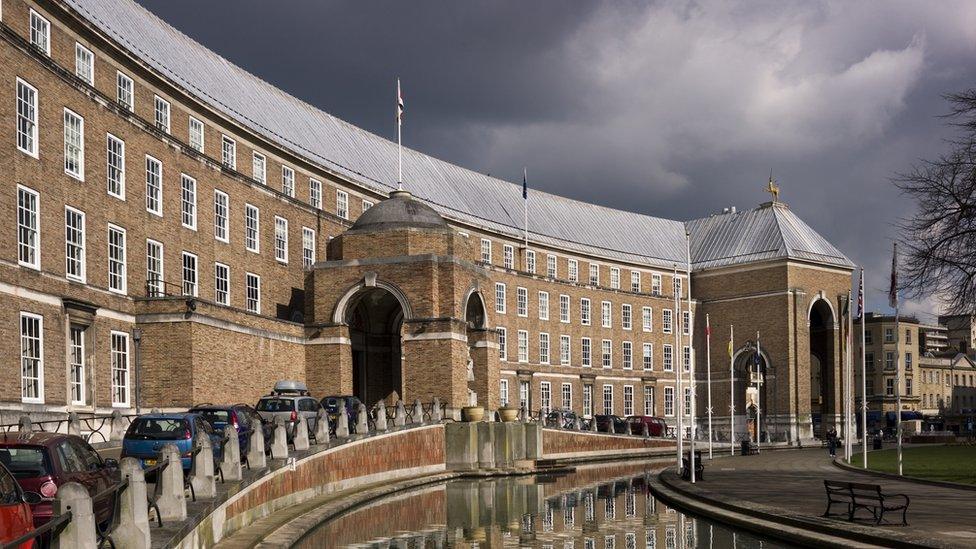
[558, 444]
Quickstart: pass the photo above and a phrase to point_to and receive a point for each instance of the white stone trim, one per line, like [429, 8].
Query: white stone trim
[161, 318]
[547, 374]
[752, 296]
[329, 341]
[55, 301]
[434, 336]
[611, 378]
[485, 344]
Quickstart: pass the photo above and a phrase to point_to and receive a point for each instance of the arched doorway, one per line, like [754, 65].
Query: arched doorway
[822, 326]
[476, 324]
[753, 378]
[375, 319]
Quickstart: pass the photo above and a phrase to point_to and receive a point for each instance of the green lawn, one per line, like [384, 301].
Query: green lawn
[948, 463]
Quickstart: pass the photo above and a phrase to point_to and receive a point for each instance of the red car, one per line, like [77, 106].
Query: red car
[15, 512]
[41, 462]
[656, 427]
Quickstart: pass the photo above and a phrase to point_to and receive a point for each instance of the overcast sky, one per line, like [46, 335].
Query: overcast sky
[668, 108]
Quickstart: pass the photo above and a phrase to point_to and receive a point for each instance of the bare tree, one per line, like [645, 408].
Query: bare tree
[940, 239]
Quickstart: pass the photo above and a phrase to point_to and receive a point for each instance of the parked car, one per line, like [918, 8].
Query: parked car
[331, 405]
[148, 434]
[562, 419]
[656, 427]
[219, 417]
[42, 462]
[610, 423]
[289, 399]
[16, 518]
[257, 422]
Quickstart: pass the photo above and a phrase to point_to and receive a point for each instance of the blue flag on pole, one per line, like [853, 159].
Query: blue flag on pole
[525, 185]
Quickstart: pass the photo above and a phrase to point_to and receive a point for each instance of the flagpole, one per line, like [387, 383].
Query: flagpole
[864, 368]
[758, 391]
[848, 381]
[692, 379]
[525, 204]
[708, 373]
[677, 364]
[732, 388]
[894, 297]
[399, 117]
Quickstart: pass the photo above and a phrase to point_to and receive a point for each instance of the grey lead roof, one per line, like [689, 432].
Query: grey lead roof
[457, 193]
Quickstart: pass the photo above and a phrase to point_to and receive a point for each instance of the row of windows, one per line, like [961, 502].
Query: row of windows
[935, 376]
[85, 70]
[606, 310]
[32, 362]
[889, 336]
[566, 402]
[586, 352]
[572, 269]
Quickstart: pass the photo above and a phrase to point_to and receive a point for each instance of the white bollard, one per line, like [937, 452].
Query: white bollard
[133, 528]
[400, 415]
[118, 426]
[322, 427]
[230, 460]
[380, 422]
[279, 444]
[300, 437]
[418, 412]
[172, 500]
[255, 449]
[74, 424]
[436, 413]
[80, 531]
[25, 424]
[202, 475]
[362, 420]
[342, 425]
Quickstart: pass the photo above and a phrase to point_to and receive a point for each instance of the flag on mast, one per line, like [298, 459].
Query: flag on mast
[525, 203]
[860, 296]
[399, 121]
[399, 114]
[893, 291]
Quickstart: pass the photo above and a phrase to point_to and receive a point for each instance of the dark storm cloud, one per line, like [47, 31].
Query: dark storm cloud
[668, 108]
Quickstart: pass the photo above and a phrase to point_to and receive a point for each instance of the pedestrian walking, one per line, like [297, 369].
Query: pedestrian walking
[832, 442]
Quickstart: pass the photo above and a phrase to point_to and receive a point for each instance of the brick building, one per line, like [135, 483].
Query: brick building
[179, 231]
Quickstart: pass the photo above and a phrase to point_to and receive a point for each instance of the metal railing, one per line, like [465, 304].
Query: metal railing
[91, 426]
[52, 528]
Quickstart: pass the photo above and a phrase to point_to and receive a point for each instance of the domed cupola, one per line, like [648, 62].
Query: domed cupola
[400, 211]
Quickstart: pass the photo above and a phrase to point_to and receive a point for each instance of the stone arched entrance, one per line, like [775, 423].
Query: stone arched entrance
[375, 319]
[753, 393]
[823, 327]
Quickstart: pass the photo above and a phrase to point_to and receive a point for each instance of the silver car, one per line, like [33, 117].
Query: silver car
[289, 399]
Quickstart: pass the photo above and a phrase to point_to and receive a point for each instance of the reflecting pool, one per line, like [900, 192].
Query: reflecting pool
[604, 506]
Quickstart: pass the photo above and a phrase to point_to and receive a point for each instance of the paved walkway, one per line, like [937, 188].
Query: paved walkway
[793, 482]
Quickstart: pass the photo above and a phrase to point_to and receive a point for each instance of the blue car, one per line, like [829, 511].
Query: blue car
[219, 417]
[148, 434]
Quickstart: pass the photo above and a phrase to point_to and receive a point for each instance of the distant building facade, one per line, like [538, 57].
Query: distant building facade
[180, 231]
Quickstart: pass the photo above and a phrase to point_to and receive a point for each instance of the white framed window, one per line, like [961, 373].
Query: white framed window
[74, 145]
[543, 348]
[524, 394]
[342, 204]
[252, 224]
[288, 181]
[154, 186]
[117, 267]
[31, 358]
[545, 396]
[686, 358]
[125, 94]
[221, 284]
[615, 278]
[627, 352]
[308, 247]
[196, 134]
[564, 308]
[74, 244]
[585, 311]
[485, 250]
[523, 346]
[626, 315]
[647, 319]
[508, 253]
[635, 281]
[315, 194]
[367, 204]
[594, 278]
[28, 227]
[551, 271]
[228, 152]
[606, 351]
[120, 369]
[154, 268]
[252, 283]
[40, 32]
[530, 261]
[543, 305]
[656, 284]
[648, 356]
[502, 344]
[628, 400]
[27, 118]
[648, 401]
[606, 310]
[500, 297]
[668, 401]
[677, 286]
[161, 111]
[190, 286]
[565, 353]
[115, 166]
[608, 404]
[259, 168]
[572, 268]
[188, 201]
[76, 357]
[221, 216]
[668, 357]
[522, 301]
[587, 400]
[503, 391]
[281, 239]
[685, 322]
[567, 396]
[586, 352]
[666, 320]
[687, 401]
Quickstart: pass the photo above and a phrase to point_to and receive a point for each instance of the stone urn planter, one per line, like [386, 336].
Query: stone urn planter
[472, 413]
[509, 414]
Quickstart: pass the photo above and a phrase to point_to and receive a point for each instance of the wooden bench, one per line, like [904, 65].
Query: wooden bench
[857, 495]
[686, 466]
